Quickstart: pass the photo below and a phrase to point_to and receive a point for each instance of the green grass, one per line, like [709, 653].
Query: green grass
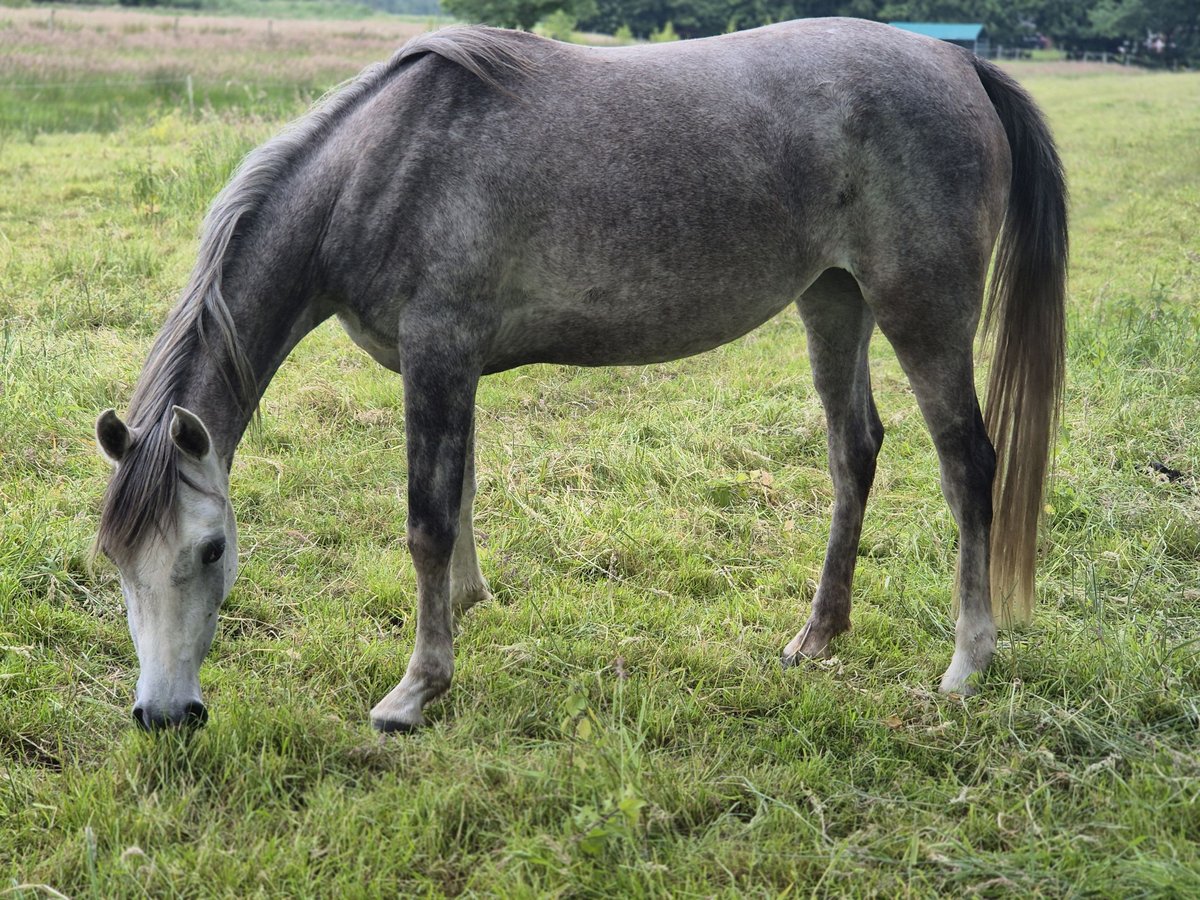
[101, 70]
[619, 724]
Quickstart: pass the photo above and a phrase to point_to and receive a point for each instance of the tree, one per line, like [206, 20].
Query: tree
[1166, 31]
[516, 13]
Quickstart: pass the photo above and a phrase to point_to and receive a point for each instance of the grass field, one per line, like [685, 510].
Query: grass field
[95, 69]
[619, 724]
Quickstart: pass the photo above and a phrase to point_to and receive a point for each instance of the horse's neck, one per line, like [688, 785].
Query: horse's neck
[272, 303]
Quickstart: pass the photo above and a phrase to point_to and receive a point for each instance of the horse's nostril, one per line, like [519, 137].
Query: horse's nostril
[195, 713]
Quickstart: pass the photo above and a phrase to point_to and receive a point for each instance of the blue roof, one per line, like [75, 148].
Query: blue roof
[943, 31]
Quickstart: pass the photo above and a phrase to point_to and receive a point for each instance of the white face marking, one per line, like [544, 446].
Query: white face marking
[174, 586]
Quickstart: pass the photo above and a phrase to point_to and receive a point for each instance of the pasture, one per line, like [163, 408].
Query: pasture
[619, 723]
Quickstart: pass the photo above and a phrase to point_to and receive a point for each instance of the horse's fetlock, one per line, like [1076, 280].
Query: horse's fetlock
[436, 673]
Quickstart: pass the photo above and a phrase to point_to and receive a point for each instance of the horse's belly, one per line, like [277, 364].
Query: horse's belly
[597, 331]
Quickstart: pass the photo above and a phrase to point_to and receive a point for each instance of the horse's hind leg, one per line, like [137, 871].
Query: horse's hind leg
[467, 584]
[932, 328]
[439, 400]
[839, 325]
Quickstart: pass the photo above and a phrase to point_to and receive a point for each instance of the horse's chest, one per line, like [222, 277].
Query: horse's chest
[373, 337]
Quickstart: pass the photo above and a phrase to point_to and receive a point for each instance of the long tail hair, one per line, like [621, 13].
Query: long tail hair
[1025, 320]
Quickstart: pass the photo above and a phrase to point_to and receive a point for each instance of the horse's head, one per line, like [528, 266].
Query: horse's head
[168, 525]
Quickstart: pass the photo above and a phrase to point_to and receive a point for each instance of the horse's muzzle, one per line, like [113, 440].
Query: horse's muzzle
[191, 715]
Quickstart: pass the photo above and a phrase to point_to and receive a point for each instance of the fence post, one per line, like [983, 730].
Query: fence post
[52, 21]
[191, 98]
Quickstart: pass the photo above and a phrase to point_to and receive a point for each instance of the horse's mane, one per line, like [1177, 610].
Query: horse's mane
[141, 493]
[490, 54]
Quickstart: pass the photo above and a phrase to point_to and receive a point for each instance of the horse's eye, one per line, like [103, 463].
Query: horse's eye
[212, 551]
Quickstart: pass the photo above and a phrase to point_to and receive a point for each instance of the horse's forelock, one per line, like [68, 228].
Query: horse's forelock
[141, 493]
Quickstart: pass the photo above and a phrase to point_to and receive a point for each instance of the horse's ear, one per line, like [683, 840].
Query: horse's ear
[113, 436]
[189, 433]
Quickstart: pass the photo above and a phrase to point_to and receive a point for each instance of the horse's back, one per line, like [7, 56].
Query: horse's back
[605, 196]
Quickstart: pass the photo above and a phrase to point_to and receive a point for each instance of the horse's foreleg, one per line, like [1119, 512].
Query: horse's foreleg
[439, 399]
[839, 325]
[467, 584]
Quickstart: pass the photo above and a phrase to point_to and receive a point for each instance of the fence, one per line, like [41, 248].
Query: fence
[1101, 56]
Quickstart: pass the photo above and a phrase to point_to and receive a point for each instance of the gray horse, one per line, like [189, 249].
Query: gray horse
[487, 199]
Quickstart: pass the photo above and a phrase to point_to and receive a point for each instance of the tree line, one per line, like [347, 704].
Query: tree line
[1156, 32]
[1160, 31]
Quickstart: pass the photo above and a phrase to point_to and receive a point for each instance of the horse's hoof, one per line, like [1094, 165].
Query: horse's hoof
[811, 643]
[962, 690]
[397, 716]
[394, 726]
[962, 687]
[970, 659]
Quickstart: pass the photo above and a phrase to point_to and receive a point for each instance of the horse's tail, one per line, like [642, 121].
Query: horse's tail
[1025, 320]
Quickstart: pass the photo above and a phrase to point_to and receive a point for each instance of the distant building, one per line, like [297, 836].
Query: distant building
[971, 36]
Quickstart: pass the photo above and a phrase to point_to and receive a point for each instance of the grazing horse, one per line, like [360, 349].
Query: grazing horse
[487, 199]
